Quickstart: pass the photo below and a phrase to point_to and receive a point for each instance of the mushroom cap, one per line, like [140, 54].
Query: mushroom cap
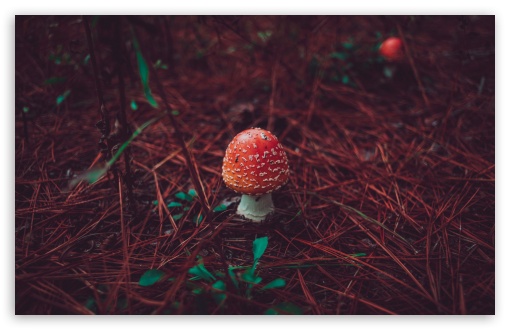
[392, 49]
[255, 163]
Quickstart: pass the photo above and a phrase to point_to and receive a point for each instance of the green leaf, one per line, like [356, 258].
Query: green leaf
[183, 196]
[26, 109]
[345, 79]
[198, 219]
[388, 72]
[160, 65]
[249, 277]
[264, 35]
[192, 193]
[86, 59]
[55, 80]
[276, 283]
[134, 106]
[122, 303]
[155, 202]
[143, 69]
[177, 216]
[339, 55]
[284, 308]
[219, 274]
[200, 271]
[220, 208]
[90, 304]
[63, 96]
[174, 204]
[150, 98]
[259, 246]
[348, 45]
[175, 112]
[219, 286]
[197, 290]
[151, 277]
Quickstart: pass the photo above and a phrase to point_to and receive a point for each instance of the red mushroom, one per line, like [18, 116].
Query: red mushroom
[392, 49]
[255, 165]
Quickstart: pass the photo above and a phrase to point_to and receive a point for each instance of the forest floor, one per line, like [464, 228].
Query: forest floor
[390, 204]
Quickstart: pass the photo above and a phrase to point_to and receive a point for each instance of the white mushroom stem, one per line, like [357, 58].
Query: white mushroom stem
[255, 208]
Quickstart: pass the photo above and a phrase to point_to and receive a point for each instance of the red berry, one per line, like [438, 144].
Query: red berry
[392, 49]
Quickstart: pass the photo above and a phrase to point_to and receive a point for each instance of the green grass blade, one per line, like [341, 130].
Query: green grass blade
[233, 276]
[128, 142]
[94, 174]
[61, 98]
[143, 68]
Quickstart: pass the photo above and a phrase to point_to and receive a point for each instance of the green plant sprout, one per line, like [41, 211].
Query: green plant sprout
[247, 279]
[183, 203]
[264, 35]
[344, 56]
[201, 273]
[160, 65]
